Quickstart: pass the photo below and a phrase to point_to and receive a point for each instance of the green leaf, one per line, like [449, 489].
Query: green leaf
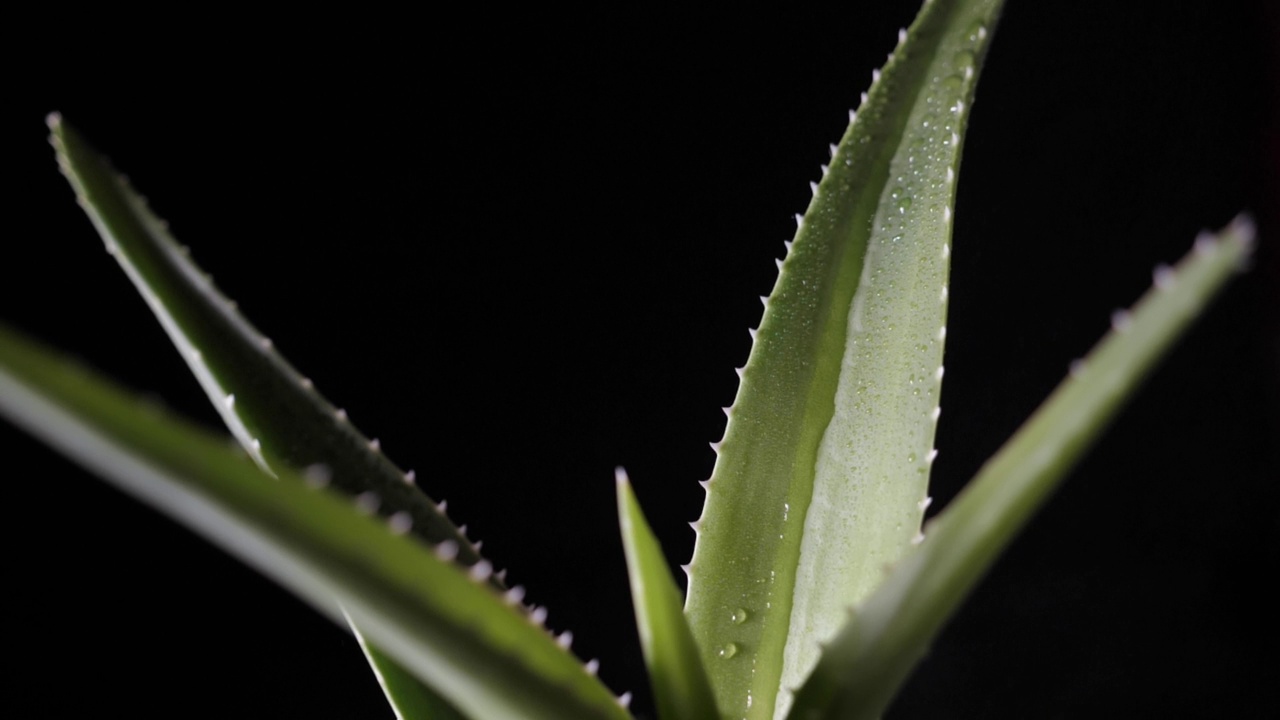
[265, 403]
[863, 668]
[408, 696]
[269, 406]
[440, 621]
[676, 673]
[821, 475]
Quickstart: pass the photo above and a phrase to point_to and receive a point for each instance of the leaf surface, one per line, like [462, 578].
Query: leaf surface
[440, 621]
[679, 680]
[865, 665]
[822, 473]
[267, 405]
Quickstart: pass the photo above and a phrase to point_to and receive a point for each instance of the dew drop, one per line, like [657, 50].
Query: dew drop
[728, 651]
[739, 616]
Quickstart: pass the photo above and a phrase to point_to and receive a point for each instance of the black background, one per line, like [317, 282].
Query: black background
[522, 249]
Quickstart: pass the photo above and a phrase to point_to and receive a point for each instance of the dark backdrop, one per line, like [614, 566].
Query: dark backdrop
[523, 249]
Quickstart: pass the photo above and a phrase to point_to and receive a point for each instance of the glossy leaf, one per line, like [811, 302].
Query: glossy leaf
[265, 403]
[440, 621]
[862, 669]
[821, 475]
[676, 673]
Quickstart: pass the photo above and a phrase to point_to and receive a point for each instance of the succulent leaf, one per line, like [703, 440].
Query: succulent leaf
[440, 621]
[863, 667]
[820, 479]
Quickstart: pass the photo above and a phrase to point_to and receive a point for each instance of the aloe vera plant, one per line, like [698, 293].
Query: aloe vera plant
[719, 648]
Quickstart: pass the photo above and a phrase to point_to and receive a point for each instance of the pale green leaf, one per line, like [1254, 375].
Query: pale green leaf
[820, 477]
[267, 405]
[863, 667]
[440, 621]
[675, 667]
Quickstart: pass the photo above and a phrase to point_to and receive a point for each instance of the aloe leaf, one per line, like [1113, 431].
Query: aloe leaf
[437, 619]
[820, 477]
[863, 667]
[265, 403]
[409, 698]
[268, 405]
[676, 672]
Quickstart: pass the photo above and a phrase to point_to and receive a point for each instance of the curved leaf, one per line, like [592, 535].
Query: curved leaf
[440, 621]
[679, 680]
[821, 475]
[862, 669]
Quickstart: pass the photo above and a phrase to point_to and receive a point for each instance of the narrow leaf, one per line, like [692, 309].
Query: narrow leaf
[863, 668]
[676, 673]
[825, 460]
[410, 699]
[435, 618]
[267, 405]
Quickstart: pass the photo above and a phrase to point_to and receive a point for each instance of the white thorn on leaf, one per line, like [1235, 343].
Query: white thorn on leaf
[937, 413]
[853, 116]
[940, 372]
[942, 333]
[831, 148]
[1121, 321]
[410, 477]
[306, 383]
[706, 484]
[875, 76]
[740, 371]
[943, 295]
[625, 700]
[925, 503]
[1205, 244]
[317, 475]
[933, 455]
[565, 639]
[946, 250]
[715, 446]
[538, 616]
[982, 32]
[813, 187]
[753, 332]
[1163, 277]
[501, 575]
[229, 401]
[799, 221]
[902, 35]
[824, 170]
[462, 530]
[477, 545]
[266, 343]
[447, 551]
[256, 444]
[694, 525]
[367, 502]
[196, 355]
[481, 571]
[951, 175]
[514, 596]
[592, 667]
[375, 445]
[787, 244]
[946, 213]
[442, 506]
[919, 538]
[864, 98]
[778, 262]
[340, 415]
[727, 411]
[401, 523]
